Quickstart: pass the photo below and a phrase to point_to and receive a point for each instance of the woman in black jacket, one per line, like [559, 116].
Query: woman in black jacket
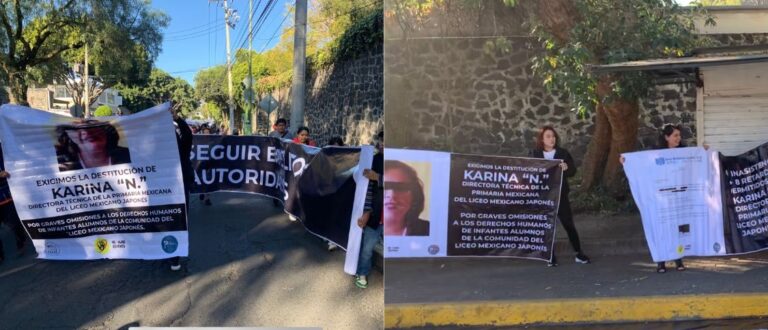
[547, 147]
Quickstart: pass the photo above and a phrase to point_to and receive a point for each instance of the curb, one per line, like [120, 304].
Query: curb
[563, 311]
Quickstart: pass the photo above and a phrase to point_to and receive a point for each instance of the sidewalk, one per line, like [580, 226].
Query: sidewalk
[621, 285]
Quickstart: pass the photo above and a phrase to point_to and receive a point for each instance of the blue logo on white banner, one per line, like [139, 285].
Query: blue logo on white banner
[170, 244]
[660, 161]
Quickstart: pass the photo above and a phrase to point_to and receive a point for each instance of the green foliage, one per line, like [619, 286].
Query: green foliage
[103, 111]
[211, 110]
[598, 200]
[159, 88]
[41, 37]
[361, 34]
[211, 84]
[611, 31]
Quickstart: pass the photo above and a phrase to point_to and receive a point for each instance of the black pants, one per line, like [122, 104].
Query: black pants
[566, 219]
[9, 216]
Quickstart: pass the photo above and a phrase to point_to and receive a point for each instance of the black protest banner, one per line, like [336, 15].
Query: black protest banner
[502, 206]
[745, 202]
[316, 185]
[325, 193]
[251, 164]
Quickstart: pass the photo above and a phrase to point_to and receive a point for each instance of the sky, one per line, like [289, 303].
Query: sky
[195, 37]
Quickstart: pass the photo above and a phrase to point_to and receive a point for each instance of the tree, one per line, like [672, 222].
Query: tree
[103, 111]
[575, 34]
[211, 87]
[160, 87]
[38, 35]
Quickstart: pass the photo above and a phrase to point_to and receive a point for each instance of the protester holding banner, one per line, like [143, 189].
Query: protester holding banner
[669, 138]
[9, 215]
[371, 221]
[404, 200]
[184, 141]
[547, 147]
[279, 130]
[302, 137]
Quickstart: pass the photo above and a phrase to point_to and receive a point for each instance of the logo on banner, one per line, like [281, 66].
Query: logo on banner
[716, 247]
[433, 249]
[680, 249]
[51, 248]
[170, 244]
[101, 245]
[660, 161]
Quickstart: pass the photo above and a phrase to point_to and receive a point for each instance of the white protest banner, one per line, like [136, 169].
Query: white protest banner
[90, 189]
[679, 196]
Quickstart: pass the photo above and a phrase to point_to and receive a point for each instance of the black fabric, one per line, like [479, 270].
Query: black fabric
[564, 155]
[184, 141]
[566, 219]
[10, 217]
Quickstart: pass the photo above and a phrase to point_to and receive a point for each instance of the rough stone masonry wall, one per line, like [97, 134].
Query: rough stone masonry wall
[449, 94]
[344, 100]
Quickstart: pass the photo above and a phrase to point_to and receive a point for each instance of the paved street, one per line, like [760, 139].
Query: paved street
[249, 266]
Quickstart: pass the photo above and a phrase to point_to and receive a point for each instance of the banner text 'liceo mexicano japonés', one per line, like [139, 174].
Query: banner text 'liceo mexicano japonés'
[695, 202]
[441, 204]
[324, 188]
[104, 188]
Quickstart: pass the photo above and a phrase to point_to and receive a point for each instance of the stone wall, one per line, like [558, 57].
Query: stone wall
[451, 94]
[345, 99]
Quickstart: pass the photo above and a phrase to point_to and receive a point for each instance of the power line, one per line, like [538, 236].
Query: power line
[200, 33]
[249, 17]
[279, 26]
[261, 20]
[194, 36]
[191, 30]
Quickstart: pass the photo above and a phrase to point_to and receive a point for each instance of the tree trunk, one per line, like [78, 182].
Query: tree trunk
[615, 133]
[597, 152]
[18, 85]
[622, 114]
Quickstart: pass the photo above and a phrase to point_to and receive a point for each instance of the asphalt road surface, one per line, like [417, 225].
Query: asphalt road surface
[249, 265]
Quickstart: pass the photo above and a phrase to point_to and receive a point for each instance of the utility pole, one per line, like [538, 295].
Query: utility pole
[230, 19]
[299, 66]
[247, 122]
[87, 85]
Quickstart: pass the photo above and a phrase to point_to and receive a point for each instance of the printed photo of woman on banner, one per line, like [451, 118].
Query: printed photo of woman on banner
[89, 144]
[406, 201]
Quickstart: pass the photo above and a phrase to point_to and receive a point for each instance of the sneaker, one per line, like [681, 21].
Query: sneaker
[582, 258]
[332, 246]
[176, 267]
[292, 218]
[361, 281]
